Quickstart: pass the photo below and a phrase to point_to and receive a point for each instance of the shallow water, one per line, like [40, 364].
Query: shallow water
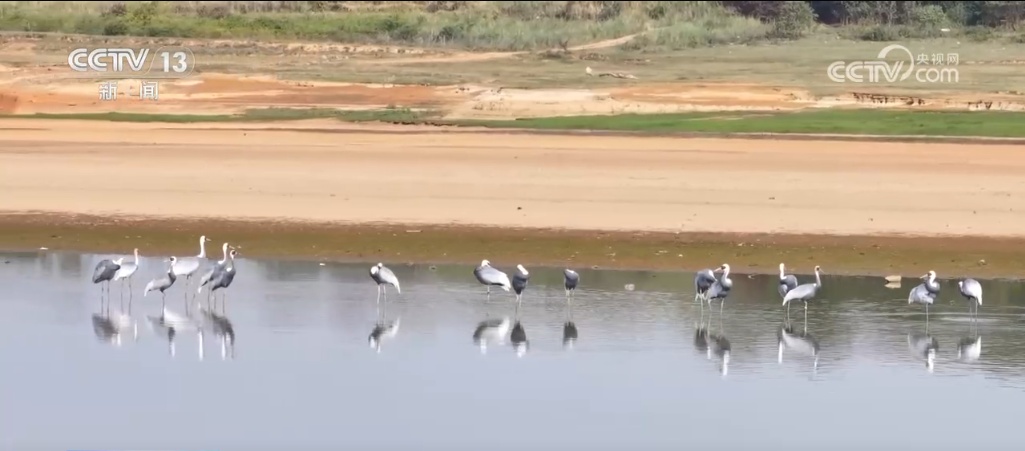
[301, 373]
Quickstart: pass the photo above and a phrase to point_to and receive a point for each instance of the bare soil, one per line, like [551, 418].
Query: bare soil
[854, 202]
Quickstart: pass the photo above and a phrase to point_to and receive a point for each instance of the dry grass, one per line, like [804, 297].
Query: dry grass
[986, 68]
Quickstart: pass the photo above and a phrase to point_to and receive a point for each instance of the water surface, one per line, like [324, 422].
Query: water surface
[648, 368]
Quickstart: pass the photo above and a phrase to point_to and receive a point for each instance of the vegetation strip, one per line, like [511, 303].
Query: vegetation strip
[897, 124]
[520, 25]
[747, 253]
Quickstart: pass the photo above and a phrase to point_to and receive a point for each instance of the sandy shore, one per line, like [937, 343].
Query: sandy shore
[350, 176]
[491, 179]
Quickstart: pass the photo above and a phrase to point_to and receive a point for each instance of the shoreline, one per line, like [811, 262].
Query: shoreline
[747, 253]
[482, 127]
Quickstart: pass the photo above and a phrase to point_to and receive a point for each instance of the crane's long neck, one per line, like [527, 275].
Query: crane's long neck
[818, 279]
[225, 249]
[136, 257]
[726, 274]
[202, 249]
[781, 276]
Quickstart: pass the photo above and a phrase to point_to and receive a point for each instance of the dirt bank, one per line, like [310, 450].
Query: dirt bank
[670, 188]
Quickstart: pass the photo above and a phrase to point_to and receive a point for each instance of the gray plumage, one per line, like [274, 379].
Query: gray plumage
[105, 270]
[216, 267]
[161, 284]
[571, 279]
[490, 276]
[926, 292]
[703, 280]
[223, 279]
[218, 272]
[787, 282]
[382, 275]
[971, 289]
[720, 288]
[803, 293]
[519, 280]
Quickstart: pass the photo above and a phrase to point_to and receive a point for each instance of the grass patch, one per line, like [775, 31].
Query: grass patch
[519, 25]
[852, 122]
[403, 115]
[859, 122]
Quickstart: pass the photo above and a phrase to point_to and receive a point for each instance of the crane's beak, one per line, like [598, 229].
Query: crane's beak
[719, 269]
[924, 276]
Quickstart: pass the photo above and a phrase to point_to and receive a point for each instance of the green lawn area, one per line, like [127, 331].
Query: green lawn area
[853, 122]
[860, 122]
[254, 115]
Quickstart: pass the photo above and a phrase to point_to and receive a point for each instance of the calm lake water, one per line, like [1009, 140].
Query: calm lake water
[301, 372]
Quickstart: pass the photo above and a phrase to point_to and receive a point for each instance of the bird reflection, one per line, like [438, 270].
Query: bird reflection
[712, 343]
[970, 348]
[569, 328]
[491, 331]
[222, 329]
[518, 336]
[924, 347]
[161, 328]
[801, 342]
[720, 346]
[110, 329]
[383, 329]
[179, 324]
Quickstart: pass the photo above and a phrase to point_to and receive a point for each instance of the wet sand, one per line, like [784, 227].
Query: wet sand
[591, 200]
[396, 244]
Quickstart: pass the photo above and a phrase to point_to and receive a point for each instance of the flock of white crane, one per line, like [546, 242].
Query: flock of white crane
[707, 287]
[217, 276]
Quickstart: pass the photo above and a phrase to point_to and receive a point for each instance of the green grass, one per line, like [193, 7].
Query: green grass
[859, 122]
[519, 25]
[853, 122]
[255, 115]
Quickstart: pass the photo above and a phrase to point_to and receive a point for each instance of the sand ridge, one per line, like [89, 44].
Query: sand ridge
[494, 179]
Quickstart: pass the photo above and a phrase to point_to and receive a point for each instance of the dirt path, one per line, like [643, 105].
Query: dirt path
[574, 182]
[465, 57]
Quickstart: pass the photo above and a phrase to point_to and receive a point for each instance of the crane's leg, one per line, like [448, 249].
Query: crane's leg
[384, 290]
[927, 319]
[378, 296]
[805, 316]
[163, 303]
[130, 296]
